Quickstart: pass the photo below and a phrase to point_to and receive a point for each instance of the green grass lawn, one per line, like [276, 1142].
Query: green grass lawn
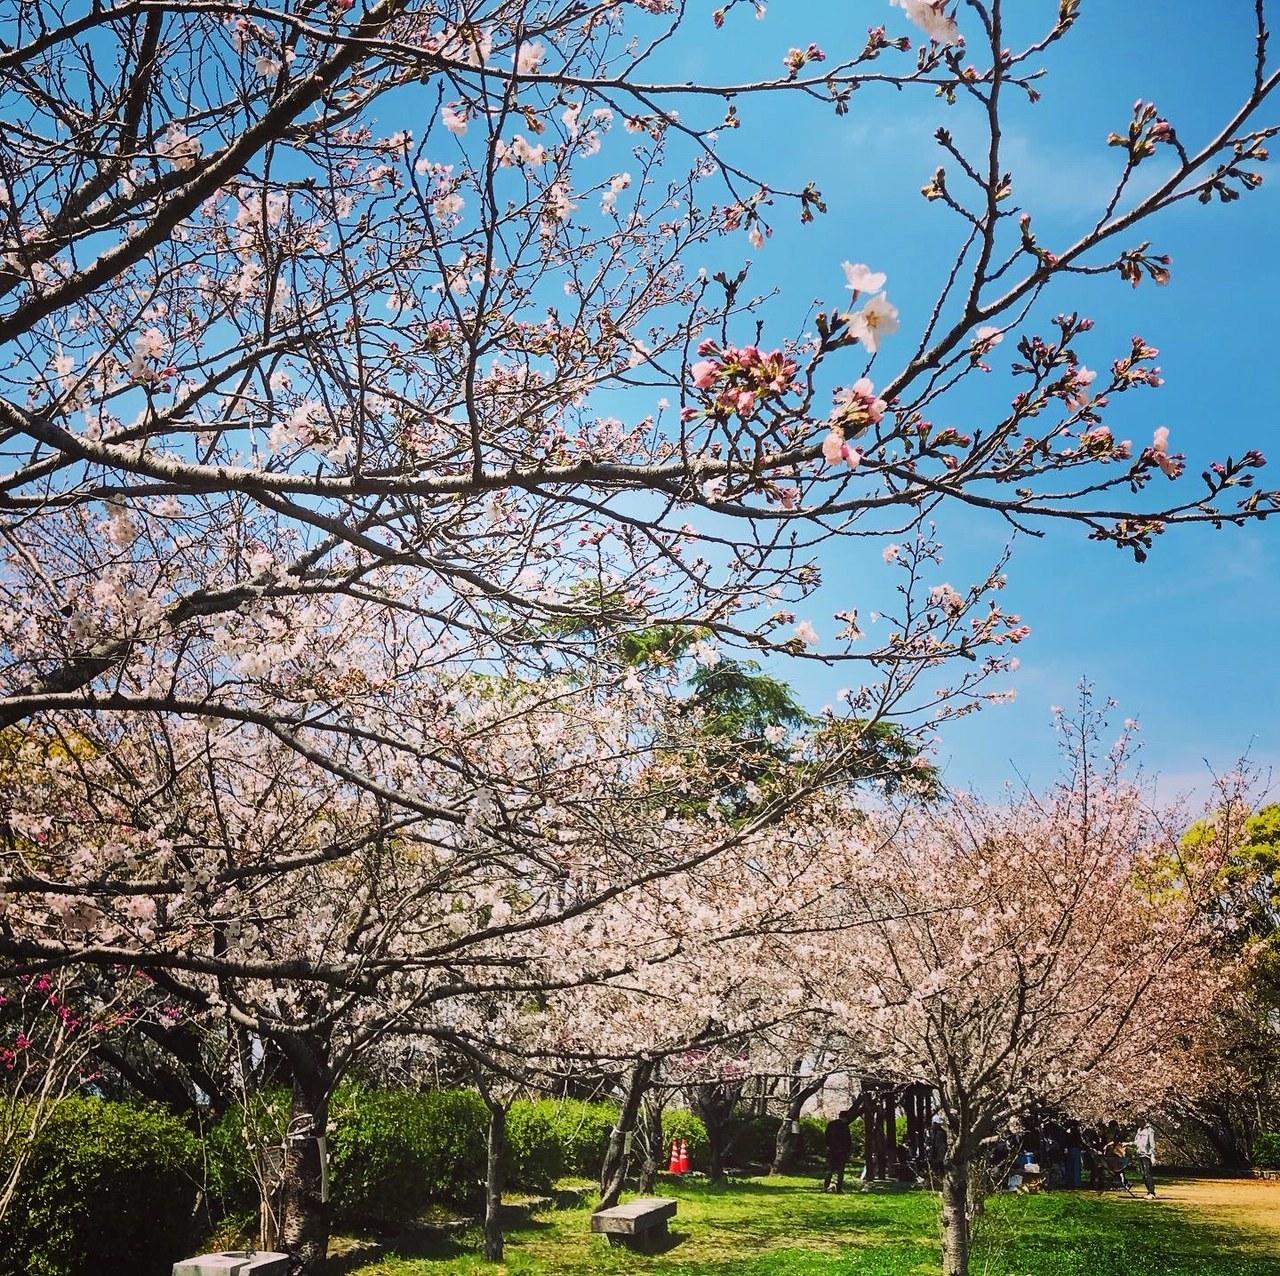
[786, 1227]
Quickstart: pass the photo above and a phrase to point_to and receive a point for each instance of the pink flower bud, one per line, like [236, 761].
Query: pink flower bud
[704, 373]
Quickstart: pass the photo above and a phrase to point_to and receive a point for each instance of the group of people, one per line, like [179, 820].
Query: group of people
[1064, 1150]
[1114, 1155]
[1056, 1153]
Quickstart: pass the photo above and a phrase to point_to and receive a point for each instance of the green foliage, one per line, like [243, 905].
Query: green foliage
[876, 750]
[677, 1123]
[392, 1152]
[658, 645]
[736, 704]
[550, 1139]
[1249, 885]
[535, 1157]
[110, 1187]
[1256, 866]
[229, 1182]
[1266, 1150]
[813, 1138]
[755, 1141]
[738, 701]
[596, 612]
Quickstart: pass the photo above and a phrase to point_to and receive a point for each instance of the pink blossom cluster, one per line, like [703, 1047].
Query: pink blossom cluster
[1130, 371]
[740, 378]
[1171, 464]
[932, 18]
[1100, 445]
[857, 407]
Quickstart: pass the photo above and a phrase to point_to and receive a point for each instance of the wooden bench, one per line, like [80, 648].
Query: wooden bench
[638, 1224]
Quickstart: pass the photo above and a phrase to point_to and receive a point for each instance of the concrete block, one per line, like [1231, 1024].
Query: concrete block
[234, 1263]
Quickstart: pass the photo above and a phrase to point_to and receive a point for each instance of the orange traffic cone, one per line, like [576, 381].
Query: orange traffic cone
[684, 1158]
[674, 1167]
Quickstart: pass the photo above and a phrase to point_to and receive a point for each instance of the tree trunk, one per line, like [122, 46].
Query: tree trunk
[786, 1150]
[493, 1182]
[653, 1147]
[304, 1221]
[713, 1103]
[614, 1171]
[1233, 1154]
[715, 1150]
[955, 1218]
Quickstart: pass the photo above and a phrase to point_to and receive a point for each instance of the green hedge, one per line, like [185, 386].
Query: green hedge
[394, 1152]
[813, 1139]
[110, 1187]
[550, 1139]
[754, 1140]
[1266, 1150]
[677, 1123]
[228, 1182]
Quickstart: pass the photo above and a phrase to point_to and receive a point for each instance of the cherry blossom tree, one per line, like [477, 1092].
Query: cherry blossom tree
[1050, 950]
[319, 915]
[1240, 1054]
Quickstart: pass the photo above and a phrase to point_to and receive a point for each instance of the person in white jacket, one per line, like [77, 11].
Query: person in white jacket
[1144, 1144]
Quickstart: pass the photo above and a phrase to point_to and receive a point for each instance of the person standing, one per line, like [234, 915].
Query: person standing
[839, 1141]
[1074, 1154]
[1144, 1144]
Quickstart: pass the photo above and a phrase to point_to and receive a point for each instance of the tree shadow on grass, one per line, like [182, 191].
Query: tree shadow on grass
[429, 1243]
[661, 1245]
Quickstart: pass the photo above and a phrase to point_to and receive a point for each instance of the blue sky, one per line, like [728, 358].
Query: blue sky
[1186, 642]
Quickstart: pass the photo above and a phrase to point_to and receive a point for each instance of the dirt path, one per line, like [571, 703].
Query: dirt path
[1252, 1205]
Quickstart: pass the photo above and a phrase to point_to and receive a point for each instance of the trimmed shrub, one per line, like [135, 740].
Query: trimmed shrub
[392, 1152]
[584, 1131]
[110, 1187]
[1266, 1150]
[535, 1156]
[754, 1140]
[678, 1123]
[549, 1139]
[813, 1138]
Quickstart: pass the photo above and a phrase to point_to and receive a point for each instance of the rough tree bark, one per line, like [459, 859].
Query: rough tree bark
[713, 1103]
[614, 1171]
[304, 1221]
[955, 1216]
[652, 1146]
[494, 1172]
[799, 1091]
